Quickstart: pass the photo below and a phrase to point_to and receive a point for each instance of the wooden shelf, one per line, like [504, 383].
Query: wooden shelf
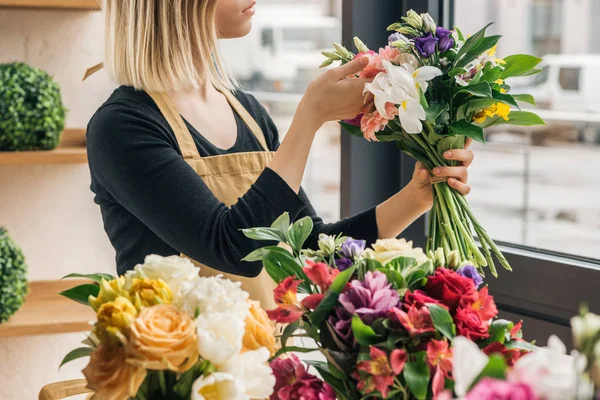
[47, 312]
[59, 4]
[70, 151]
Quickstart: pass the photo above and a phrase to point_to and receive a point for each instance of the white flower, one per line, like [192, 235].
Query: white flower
[584, 328]
[423, 75]
[428, 23]
[467, 363]
[219, 336]
[216, 386]
[216, 295]
[327, 244]
[252, 373]
[386, 250]
[551, 373]
[177, 272]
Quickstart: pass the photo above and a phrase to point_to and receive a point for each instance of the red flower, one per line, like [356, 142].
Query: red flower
[515, 332]
[311, 302]
[381, 370]
[510, 355]
[289, 308]
[320, 274]
[416, 321]
[470, 325]
[439, 358]
[451, 288]
[418, 298]
[484, 305]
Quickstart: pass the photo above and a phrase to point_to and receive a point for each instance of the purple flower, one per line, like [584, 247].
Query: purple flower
[426, 45]
[343, 263]
[470, 271]
[355, 121]
[370, 299]
[394, 37]
[352, 248]
[446, 41]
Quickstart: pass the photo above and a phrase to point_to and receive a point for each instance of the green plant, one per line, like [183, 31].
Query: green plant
[32, 115]
[13, 276]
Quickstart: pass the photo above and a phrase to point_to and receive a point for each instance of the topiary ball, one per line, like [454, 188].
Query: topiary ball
[32, 115]
[13, 277]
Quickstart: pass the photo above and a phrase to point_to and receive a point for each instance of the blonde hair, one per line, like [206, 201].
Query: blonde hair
[160, 45]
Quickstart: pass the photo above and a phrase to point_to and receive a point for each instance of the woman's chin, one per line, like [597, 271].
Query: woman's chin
[236, 32]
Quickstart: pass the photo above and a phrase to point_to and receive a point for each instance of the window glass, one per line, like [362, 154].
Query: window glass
[568, 78]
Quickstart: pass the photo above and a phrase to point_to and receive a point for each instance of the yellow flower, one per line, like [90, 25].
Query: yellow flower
[490, 111]
[499, 82]
[482, 115]
[114, 320]
[149, 292]
[109, 290]
[110, 376]
[502, 90]
[259, 330]
[163, 337]
[503, 110]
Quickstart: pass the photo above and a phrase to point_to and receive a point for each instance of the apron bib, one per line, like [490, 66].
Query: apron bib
[229, 177]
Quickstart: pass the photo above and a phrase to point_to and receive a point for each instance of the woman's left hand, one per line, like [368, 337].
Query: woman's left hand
[458, 177]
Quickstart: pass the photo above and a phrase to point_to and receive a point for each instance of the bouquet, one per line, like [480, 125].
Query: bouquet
[433, 88]
[163, 332]
[385, 318]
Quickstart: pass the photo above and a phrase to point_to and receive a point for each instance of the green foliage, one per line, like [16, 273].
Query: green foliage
[442, 320]
[417, 375]
[80, 352]
[13, 277]
[364, 334]
[32, 115]
[82, 293]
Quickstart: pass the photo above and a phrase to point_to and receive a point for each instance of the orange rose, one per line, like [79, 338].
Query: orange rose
[163, 337]
[110, 376]
[260, 330]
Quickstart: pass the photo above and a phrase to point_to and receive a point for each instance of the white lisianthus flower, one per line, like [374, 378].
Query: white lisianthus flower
[467, 363]
[216, 295]
[327, 244]
[177, 272]
[218, 385]
[386, 250]
[585, 328]
[252, 373]
[219, 336]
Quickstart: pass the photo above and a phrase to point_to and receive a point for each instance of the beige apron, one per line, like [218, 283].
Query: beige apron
[228, 176]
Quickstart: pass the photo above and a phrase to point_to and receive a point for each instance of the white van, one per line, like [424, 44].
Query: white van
[568, 82]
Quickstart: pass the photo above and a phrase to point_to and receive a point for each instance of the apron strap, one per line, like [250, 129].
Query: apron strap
[247, 118]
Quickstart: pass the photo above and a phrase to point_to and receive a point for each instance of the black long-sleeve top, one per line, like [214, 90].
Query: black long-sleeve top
[153, 202]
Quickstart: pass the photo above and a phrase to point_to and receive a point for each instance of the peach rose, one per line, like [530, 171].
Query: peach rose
[110, 376]
[163, 337]
[260, 330]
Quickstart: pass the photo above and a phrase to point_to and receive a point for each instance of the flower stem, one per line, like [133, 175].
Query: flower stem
[161, 382]
[446, 218]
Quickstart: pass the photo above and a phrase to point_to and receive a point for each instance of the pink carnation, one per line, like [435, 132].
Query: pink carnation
[493, 389]
[374, 122]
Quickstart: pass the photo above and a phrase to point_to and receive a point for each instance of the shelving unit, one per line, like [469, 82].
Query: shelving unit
[46, 312]
[62, 4]
[70, 151]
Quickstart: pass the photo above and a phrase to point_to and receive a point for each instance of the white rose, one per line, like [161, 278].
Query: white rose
[217, 385]
[177, 272]
[216, 295]
[252, 373]
[219, 336]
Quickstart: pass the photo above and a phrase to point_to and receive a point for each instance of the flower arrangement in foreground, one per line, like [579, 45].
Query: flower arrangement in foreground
[385, 318]
[433, 88]
[163, 332]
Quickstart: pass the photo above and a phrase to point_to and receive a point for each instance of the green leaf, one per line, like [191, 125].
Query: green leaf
[531, 73]
[280, 265]
[482, 89]
[506, 99]
[479, 104]
[521, 345]
[282, 224]
[394, 277]
[75, 354]
[498, 331]
[259, 254]
[81, 293]
[495, 368]
[435, 110]
[519, 64]
[183, 387]
[456, 71]
[351, 129]
[491, 75]
[469, 45]
[293, 349]
[525, 98]
[289, 331]
[486, 44]
[94, 277]
[401, 263]
[517, 118]
[331, 297]
[264, 234]
[299, 232]
[364, 334]
[442, 320]
[417, 375]
[415, 278]
[461, 37]
[464, 128]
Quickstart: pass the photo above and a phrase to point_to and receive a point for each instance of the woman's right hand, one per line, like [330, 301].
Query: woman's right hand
[331, 97]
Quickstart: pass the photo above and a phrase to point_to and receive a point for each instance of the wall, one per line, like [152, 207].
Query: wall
[49, 210]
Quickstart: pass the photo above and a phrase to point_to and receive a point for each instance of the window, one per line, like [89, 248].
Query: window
[568, 78]
[542, 77]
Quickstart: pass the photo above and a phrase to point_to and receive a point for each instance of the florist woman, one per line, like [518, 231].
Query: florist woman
[181, 159]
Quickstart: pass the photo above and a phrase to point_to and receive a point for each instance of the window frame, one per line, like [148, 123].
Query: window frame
[545, 289]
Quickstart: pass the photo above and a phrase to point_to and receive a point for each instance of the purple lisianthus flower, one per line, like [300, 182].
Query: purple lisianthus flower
[355, 121]
[394, 37]
[343, 263]
[352, 248]
[446, 41]
[469, 271]
[370, 299]
[426, 45]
